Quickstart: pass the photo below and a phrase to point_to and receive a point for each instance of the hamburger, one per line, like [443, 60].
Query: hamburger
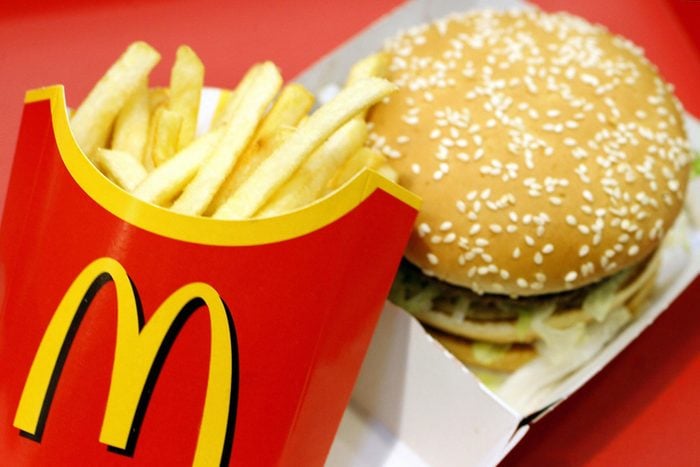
[552, 159]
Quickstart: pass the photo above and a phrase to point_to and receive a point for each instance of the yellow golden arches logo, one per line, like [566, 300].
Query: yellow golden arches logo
[139, 350]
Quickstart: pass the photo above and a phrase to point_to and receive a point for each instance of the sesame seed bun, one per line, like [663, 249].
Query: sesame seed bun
[549, 153]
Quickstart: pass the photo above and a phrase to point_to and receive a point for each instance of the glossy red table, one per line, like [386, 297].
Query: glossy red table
[643, 409]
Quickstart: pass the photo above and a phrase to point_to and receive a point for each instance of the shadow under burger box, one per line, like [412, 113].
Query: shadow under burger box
[134, 335]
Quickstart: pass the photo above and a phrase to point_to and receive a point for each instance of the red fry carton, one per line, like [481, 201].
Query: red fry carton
[131, 335]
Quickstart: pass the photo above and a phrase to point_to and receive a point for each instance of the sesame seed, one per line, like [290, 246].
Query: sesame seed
[447, 225]
[432, 259]
[474, 229]
[583, 251]
[538, 258]
[571, 276]
[495, 228]
[522, 283]
[415, 168]
[516, 253]
[548, 248]
[633, 250]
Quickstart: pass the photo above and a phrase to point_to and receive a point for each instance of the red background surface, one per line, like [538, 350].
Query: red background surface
[643, 409]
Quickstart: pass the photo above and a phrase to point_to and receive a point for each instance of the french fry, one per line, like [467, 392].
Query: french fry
[131, 126]
[186, 81]
[310, 179]
[388, 172]
[247, 163]
[363, 157]
[227, 113]
[93, 120]
[225, 97]
[277, 168]
[167, 180]
[293, 103]
[166, 130]
[121, 167]
[376, 65]
[238, 133]
[157, 97]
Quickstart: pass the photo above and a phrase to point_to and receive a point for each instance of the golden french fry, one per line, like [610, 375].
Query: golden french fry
[131, 126]
[388, 172]
[121, 167]
[277, 168]
[186, 81]
[363, 157]
[166, 130]
[376, 65]
[157, 97]
[310, 179]
[168, 179]
[238, 133]
[293, 103]
[225, 97]
[92, 121]
[249, 160]
[226, 114]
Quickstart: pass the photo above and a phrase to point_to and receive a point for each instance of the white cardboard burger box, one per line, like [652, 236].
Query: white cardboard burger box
[399, 414]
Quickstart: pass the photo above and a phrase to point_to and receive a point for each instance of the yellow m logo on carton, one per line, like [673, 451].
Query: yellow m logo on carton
[138, 349]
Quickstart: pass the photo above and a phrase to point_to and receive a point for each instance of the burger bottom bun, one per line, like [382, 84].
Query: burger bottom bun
[509, 359]
[464, 350]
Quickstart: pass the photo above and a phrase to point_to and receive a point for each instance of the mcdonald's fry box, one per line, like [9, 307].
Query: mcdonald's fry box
[131, 335]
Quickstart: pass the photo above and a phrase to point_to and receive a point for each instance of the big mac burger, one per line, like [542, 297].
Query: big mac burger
[552, 160]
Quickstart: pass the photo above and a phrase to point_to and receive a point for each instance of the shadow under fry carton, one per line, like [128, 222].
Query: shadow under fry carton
[131, 335]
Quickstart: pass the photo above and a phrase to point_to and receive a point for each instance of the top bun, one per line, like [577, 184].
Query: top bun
[549, 152]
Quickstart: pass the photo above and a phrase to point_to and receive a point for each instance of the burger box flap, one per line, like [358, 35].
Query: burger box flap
[414, 403]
